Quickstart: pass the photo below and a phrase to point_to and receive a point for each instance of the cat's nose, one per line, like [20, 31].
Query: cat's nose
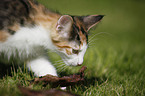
[79, 64]
[80, 61]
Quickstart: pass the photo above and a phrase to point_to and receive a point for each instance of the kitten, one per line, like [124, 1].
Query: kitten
[28, 30]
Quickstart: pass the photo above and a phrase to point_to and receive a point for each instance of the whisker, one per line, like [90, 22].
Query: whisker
[96, 35]
[91, 46]
[60, 66]
[58, 63]
[60, 60]
[62, 69]
[99, 34]
[93, 40]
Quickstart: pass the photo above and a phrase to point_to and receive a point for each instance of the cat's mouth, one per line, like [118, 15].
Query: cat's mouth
[71, 60]
[72, 63]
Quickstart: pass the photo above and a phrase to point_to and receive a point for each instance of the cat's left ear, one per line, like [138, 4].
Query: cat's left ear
[63, 26]
[91, 20]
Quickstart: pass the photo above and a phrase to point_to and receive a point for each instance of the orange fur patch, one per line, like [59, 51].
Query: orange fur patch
[3, 36]
[42, 16]
[83, 38]
[63, 46]
[68, 51]
[61, 43]
[15, 27]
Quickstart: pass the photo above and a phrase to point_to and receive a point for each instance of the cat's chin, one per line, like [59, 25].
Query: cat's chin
[71, 63]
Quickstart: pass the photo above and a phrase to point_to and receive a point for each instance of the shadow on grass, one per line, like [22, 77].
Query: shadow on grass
[94, 81]
[5, 69]
[88, 82]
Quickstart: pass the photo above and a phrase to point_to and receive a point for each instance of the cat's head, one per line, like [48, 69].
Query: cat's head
[71, 37]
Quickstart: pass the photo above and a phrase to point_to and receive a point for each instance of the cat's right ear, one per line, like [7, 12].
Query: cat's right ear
[90, 20]
[63, 26]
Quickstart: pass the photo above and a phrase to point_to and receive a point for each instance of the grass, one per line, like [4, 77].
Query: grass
[115, 60]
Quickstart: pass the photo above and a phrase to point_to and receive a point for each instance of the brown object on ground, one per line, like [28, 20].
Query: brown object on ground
[64, 81]
[50, 92]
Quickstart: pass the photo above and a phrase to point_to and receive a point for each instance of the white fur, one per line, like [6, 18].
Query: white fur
[27, 41]
[41, 67]
[82, 53]
[75, 59]
[30, 43]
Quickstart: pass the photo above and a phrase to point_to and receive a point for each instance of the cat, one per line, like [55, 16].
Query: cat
[28, 30]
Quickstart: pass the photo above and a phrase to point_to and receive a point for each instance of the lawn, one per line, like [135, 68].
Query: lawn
[115, 58]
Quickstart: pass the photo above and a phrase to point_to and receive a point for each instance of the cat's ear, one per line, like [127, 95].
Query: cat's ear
[91, 20]
[64, 25]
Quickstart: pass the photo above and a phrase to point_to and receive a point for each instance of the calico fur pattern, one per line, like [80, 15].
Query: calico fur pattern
[28, 30]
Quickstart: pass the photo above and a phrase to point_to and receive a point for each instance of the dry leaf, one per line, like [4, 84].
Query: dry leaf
[62, 81]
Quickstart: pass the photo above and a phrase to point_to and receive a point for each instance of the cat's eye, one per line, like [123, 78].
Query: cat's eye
[75, 51]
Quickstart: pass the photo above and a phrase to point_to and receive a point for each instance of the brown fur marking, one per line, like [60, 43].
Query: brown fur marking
[68, 51]
[63, 46]
[43, 16]
[15, 27]
[79, 24]
[3, 36]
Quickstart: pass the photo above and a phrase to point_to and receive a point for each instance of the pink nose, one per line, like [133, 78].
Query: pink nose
[79, 64]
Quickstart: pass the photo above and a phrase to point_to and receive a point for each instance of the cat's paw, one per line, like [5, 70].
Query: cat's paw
[41, 67]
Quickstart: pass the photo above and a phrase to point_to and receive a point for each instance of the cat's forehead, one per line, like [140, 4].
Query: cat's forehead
[78, 29]
[77, 22]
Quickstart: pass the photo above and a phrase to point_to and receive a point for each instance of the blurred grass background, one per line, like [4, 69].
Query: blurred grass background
[116, 56]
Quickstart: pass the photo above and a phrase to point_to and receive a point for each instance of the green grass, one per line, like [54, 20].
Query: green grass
[115, 61]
